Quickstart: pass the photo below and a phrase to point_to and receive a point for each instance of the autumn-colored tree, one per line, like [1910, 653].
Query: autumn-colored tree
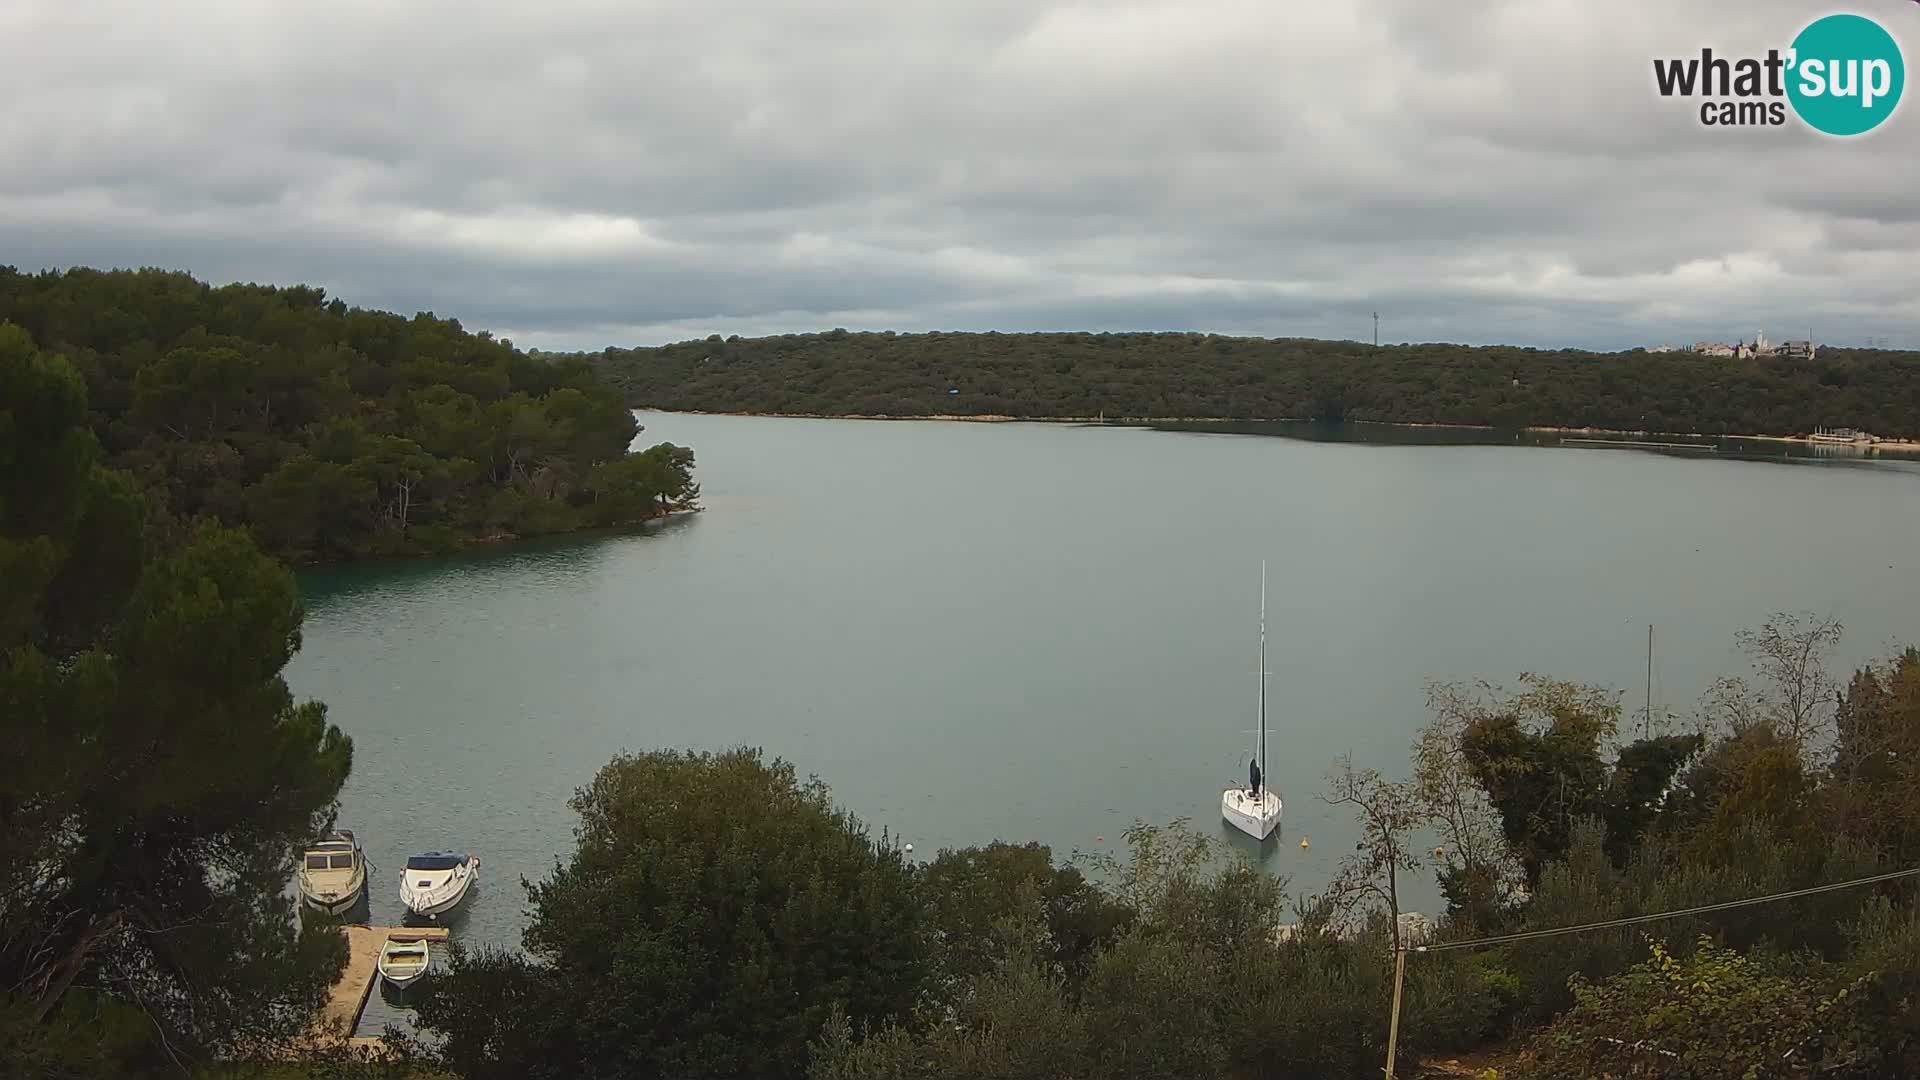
[1478, 872]
[1872, 788]
[1388, 814]
[1540, 756]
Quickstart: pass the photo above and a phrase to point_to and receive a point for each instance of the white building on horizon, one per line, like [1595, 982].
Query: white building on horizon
[1802, 349]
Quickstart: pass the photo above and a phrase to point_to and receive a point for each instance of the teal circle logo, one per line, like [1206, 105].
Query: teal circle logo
[1846, 76]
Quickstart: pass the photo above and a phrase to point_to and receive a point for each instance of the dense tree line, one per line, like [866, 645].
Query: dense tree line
[334, 432]
[156, 775]
[1164, 376]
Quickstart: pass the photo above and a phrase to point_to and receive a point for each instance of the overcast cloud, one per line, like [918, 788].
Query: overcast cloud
[577, 173]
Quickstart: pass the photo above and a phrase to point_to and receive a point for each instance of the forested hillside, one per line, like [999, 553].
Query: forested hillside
[1205, 375]
[335, 432]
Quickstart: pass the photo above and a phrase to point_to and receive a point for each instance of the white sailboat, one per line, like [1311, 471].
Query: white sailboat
[1255, 809]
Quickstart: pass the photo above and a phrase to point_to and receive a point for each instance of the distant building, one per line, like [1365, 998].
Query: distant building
[1415, 928]
[1792, 350]
[1760, 346]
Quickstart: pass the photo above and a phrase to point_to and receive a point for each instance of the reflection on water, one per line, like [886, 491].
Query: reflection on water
[356, 915]
[454, 921]
[554, 558]
[1263, 854]
[401, 999]
[1376, 434]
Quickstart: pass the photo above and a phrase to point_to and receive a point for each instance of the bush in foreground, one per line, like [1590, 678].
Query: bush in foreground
[714, 913]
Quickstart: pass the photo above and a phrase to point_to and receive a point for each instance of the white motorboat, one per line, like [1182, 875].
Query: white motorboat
[333, 873]
[434, 883]
[403, 960]
[1255, 809]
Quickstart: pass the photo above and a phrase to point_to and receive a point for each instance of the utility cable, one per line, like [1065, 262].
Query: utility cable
[1528, 935]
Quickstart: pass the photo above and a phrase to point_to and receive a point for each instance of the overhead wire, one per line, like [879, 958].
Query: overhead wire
[1608, 924]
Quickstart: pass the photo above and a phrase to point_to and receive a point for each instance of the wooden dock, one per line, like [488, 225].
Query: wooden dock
[348, 998]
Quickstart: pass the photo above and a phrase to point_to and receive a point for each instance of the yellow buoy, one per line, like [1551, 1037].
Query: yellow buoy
[1303, 843]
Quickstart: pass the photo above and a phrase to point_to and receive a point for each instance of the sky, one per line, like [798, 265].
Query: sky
[574, 174]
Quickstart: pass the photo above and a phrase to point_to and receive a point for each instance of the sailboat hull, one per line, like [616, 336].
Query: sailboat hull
[1257, 818]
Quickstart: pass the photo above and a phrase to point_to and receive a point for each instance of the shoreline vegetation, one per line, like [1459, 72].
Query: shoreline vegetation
[1626, 436]
[1208, 378]
[334, 433]
[481, 547]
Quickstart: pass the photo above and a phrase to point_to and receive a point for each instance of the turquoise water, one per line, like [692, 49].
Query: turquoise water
[1045, 632]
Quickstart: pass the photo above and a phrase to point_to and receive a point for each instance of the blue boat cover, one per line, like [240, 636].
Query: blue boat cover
[436, 860]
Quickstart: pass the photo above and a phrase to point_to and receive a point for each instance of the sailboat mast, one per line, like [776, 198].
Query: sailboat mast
[1263, 680]
[1647, 730]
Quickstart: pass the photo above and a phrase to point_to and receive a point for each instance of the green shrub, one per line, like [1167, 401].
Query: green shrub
[1716, 1014]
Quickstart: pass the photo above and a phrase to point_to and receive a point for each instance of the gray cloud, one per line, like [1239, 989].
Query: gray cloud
[588, 172]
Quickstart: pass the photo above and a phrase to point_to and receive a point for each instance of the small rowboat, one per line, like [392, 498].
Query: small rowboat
[404, 960]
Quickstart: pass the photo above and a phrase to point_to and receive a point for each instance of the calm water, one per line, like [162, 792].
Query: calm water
[1036, 632]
